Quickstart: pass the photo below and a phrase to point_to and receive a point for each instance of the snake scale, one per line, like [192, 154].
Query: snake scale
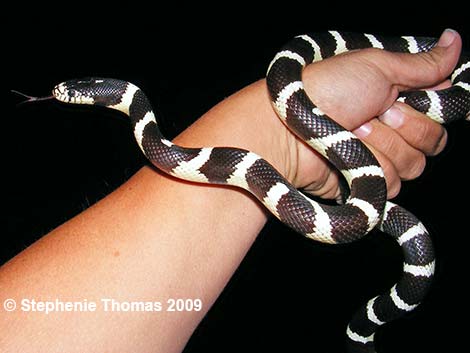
[365, 206]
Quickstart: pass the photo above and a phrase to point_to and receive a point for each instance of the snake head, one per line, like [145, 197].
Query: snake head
[92, 90]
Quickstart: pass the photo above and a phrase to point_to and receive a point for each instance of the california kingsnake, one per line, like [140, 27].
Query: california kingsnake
[364, 208]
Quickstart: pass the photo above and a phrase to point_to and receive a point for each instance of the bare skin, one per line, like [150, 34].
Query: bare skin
[132, 245]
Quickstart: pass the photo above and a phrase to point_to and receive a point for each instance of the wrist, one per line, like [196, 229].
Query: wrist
[246, 120]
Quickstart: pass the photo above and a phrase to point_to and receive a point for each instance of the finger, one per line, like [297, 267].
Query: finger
[441, 85]
[407, 160]
[427, 68]
[318, 178]
[326, 181]
[392, 176]
[327, 187]
[415, 128]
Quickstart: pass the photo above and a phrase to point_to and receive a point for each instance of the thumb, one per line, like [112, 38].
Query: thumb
[427, 68]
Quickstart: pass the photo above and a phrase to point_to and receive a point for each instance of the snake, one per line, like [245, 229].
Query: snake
[364, 205]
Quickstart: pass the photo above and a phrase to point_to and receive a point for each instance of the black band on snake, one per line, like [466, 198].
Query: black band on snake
[365, 206]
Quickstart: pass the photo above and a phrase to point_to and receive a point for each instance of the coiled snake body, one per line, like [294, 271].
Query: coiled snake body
[364, 208]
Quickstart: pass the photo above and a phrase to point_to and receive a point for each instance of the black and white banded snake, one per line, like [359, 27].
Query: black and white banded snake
[365, 206]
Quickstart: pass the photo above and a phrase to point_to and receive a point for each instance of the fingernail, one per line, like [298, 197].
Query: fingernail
[393, 117]
[363, 130]
[447, 38]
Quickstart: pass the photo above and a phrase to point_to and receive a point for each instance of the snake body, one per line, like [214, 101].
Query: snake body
[364, 208]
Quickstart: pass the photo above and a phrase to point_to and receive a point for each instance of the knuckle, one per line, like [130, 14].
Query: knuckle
[392, 179]
[393, 189]
[429, 137]
[440, 144]
[421, 132]
[388, 145]
[432, 64]
[330, 187]
[416, 168]
[373, 52]
[331, 194]
[422, 135]
[325, 186]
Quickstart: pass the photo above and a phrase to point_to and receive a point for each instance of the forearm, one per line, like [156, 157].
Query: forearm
[153, 239]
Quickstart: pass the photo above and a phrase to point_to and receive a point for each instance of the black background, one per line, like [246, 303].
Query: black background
[289, 293]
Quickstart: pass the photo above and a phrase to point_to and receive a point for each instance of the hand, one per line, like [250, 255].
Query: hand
[358, 89]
